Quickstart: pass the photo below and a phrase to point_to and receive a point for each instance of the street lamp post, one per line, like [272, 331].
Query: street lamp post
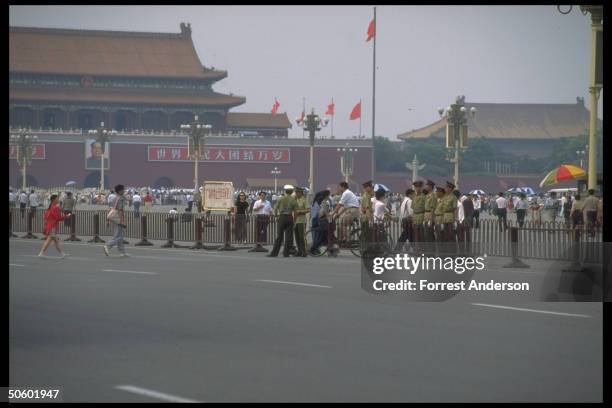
[25, 151]
[102, 136]
[596, 86]
[456, 116]
[596, 82]
[312, 123]
[197, 133]
[275, 172]
[415, 167]
[346, 161]
[581, 154]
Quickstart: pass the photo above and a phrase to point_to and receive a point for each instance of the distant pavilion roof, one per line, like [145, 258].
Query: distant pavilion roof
[517, 121]
[106, 53]
[258, 120]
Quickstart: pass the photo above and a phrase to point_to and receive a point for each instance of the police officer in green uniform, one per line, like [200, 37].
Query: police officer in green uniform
[430, 206]
[365, 210]
[284, 209]
[300, 221]
[449, 206]
[418, 209]
[439, 214]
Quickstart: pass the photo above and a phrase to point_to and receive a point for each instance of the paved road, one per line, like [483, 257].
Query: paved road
[171, 324]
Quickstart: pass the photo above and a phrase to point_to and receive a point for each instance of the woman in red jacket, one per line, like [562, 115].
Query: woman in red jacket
[53, 215]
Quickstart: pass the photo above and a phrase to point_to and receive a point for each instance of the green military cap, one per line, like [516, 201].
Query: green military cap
[431, 183]
[367, 184]
[299, 189]
[418, 183]
[439, 190]
[450, 185]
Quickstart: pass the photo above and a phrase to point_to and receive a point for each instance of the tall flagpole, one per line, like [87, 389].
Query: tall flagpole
[333, 114]
[360, 118]
[374, 93]
[304, 110]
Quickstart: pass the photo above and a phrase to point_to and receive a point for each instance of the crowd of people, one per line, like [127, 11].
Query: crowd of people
[427, 213]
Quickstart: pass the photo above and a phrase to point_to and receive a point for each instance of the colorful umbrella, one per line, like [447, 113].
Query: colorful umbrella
[563, 173]
[478, 192]
[515, 190]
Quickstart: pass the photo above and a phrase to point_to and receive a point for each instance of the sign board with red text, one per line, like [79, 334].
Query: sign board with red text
[218, 195]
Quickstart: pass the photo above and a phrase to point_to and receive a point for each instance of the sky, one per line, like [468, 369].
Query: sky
[425, 55]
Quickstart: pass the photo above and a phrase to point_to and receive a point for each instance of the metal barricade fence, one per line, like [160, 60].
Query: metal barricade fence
[544, 240]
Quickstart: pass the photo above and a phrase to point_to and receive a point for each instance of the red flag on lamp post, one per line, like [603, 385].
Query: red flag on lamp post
[356, 112]
[330, 109]
[371, 30]
[302, 116]
[275, 107]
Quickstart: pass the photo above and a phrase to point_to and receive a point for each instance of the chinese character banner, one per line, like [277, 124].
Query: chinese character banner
[221, 154]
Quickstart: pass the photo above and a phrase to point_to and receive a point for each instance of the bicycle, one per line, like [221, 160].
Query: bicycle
[331, 245]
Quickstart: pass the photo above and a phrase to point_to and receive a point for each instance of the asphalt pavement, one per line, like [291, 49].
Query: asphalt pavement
[212, 326]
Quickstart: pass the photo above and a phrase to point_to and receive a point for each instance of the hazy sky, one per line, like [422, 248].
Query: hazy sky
[426, 55]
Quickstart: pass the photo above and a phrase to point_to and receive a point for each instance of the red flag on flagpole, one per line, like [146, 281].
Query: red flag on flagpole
[275, 107]
[356, 112]
[330, 109]
[302, 116]
[371, 29]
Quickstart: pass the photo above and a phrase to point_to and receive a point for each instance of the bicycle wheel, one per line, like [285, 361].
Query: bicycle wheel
[309, 242]
[354, 243]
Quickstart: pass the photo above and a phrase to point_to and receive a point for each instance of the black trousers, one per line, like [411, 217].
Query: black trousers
[501, 218]
[520, 217]
[429, 232]
[476, 218]
[262, 222]
[300, 239]
[285, 228]
[321, 236]
[406, 230]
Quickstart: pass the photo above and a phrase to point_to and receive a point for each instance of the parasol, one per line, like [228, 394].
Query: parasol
[563, 173]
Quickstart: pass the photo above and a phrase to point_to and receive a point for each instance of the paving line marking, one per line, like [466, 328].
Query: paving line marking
[532, 310]
[16, 265]
[143, 273]
[202, 252]
[153, 394]
[74, 258]
[292, 283]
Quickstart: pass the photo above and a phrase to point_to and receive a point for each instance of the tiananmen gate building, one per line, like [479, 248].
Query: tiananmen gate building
[64, 82]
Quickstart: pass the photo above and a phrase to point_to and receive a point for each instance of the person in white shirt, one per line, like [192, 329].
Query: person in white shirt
[521, 209]
[406, 213]
[189, 199]
[380, 215]
[262, 206]
[381, 211]
[347, 210]
[477, 206]
[262, 209]
[460, 209]
[111, 199]
[137, 200]
[34, 202]
[11, 198]
[501, 212]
